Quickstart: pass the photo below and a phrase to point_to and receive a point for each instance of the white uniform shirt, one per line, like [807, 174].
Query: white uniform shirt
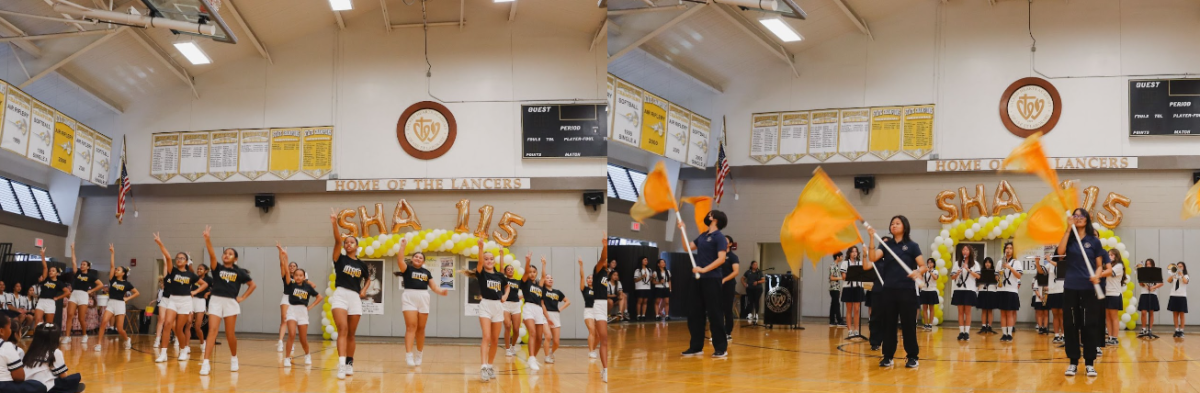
[641, 279]
[1112, 285]
[11, 360]
[7, 299]
[45, 373]
[930, 279]
[664, 278]
[1178, 288]
[1056, 285]
[965, 281]
[1008, 280]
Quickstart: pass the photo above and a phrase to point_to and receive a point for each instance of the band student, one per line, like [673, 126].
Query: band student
[1041, 308]
[710, 248]
[1148, 302]
[729, 272]
[986, 300]
[662, 290]
[1113, 290]
[1177, 303]
[898, 301]
[852, 293]
[753, 281]
[964, 297]
[929, 293]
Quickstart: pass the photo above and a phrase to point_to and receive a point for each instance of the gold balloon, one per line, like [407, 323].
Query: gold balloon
[1089, 199]
[975, 202]
[1065, 184]
[999, 204]
[1110, 204]
[367, 221]
[464, 214]
[943, 202]
[507, 220]
[404, 217]
[485, 221]
[343, 218]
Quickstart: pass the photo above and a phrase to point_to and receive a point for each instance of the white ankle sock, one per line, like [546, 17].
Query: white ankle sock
[341, 360]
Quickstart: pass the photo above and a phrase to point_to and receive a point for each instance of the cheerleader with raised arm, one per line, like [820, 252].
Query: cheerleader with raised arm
[589, 301]
[929, 293]
[532, 312]
[1177, 303]
[177, 286]
[1007, 299]
[120, 291]
[852, 293]
[492, 292]
[416, 279]
[512, 313]
[1148, 302]
[86, 281]
[300, 291]
[346, 301]
[986, 301]
[599, 308]
[1113, 288]
[225, 302]
[283, 309]
[52, 289]
[200, 304]
[963, 284]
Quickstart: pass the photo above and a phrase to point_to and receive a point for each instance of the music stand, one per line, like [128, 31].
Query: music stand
[860, 275]
[1150, 275]
[986, 277]
[1043, 280]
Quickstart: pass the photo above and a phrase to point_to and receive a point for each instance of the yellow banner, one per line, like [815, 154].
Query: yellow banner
[63, 147]
[654, 124]
[885, 131]
[285, 152]
[918, 130]
[318, 151]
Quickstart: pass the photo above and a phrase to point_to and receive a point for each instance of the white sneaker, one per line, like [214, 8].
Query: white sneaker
[129, 343]
[183, 354]
[233, 364]
[549, 359]
[202, 347]
[593, 354]
[97, 347]
[604, 375]
[66, 340]
[341, 374]
[279, 346]
[157, 341]
[418, 358]
[408, 358]
[483, 373]
[84, 341]
[508, 352]
[308, 359]
[349, 369]
[287, 362]
[162, 357]
[205, 369]
[532, 363]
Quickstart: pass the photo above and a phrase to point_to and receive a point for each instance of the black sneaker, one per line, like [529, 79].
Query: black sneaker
[874, 348]
[1091, 371]
[912, 363]
[886, 362]
[1071, 370]
[966, 336]
[720, 355]
[692, 352]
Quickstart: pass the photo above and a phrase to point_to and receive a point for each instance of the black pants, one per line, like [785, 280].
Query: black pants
[1083, 317]
[706, 303]
[835, 308]
[753, 294]
[728, 293]
[893, 304]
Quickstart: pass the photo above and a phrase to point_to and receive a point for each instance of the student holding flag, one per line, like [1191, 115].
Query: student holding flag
[710, 249]
[898, 301]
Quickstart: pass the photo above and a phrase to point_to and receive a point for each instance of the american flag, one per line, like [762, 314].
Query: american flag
[124, 184]
[722, 171]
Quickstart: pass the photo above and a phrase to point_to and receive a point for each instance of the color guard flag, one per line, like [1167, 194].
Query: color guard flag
[1191, 202]
[702, 205]
[1047, 220]
[1029, 157]
[822, 223]
[656, 195]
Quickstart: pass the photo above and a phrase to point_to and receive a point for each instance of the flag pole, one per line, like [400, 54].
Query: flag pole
[889, 250]
[687, 244]
[1099, 292]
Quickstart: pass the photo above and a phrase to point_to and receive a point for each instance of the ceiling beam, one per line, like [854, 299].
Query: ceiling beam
[512, 11]
[778, 50]
[19, 61]
[646, 9]
[430, 24]
[70, 57]
[176, 69]
[55, 35]
[258, 45]
[10, 29]
[656, 32]
[387, 20]
[65, 15]
[685, 72]
[92, 92]
[341, 23]
[858, 22]
[599, 34]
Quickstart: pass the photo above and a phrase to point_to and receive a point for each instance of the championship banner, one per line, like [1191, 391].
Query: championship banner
[609, 108]
[254, 153]
[823, 134]
[41, 131]
[698, 142]
[318, 151]
[164, 156]
[285, 152]
[63, 148]
[854, 133]
[81, 166]
[885, 131]
[101, 160]
[793, 136]
[17, 116]
[918, 130]
[764, 137]
[627, 116]
[654, 124]
[678, 120]
[193, 155]
[223, 154]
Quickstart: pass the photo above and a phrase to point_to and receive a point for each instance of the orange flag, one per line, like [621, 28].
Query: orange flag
[1191, 202]
[1029, 157]
[1047, 220]
[703, 205]
[822, 223]
[656, 195]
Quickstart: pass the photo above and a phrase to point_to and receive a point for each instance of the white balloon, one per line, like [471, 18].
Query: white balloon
[456, 237]
[1131, 309]
[945, 233]
[942, 271]
[370, 250]
[1003, 224]
[970, 232]
[508, 258]
[941, 263]
[329, 329]
[384, 237]
[1133, 301]
[333, 336]
[1096, 225]
[375, 244]
[941, 300]
[1125, 255]
[938, 240]
[975, 227]
[423, 245]
[324, 321]
[1125, 317]
[1121, 246]
[935, 321]
[949, 242]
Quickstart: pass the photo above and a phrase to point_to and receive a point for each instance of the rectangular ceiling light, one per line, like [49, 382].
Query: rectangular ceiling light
[505, 1]
[192, 52]
[340, 5]
[781, 29]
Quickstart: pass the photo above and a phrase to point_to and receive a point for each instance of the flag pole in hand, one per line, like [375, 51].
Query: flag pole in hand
[687, 244]
[1086, 262]
[889, 250]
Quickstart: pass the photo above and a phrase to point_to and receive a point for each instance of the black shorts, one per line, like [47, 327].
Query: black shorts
[1113, 303]
[1148, 302]
[1177, 304]
[662, 293]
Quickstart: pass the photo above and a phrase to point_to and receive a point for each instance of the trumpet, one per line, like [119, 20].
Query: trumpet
[1173, 269]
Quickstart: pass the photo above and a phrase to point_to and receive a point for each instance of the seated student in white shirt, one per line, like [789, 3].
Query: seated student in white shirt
[12, 371]
[45, 363]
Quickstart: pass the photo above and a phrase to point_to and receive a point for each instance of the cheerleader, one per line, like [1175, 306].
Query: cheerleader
[225, 303]
[1055, 296]
[589, 301]
[492, 293]
[200, 304]
[642, 287]
[1177, 303]
[986, 301]
[599, 309]
[1113, 289]
[662, 290]
[346, 300]
[1080, 305]
[416, 303]
[53, 289]
[283, 308]
[1040, 308]
[964, 295]
[532, 312]
[160, 309]
[300, 291]
[120, 291]
[852, 293]
[178, 304]
[552, 307]
[512, 313]
[1007, 298]
[86, 281]
[897, 300]
[1148, 302]
[929, 293]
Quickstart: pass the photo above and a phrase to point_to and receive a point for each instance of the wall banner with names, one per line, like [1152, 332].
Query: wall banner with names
[193, 155]
[85, 142]
[101, 160]
[318, 151]
[793, 136]
[254, 153]
[611, 97]
[627, 114]
[36, 131]
[885, 131]
[678, 121]
[285, 152]
[223, 154]
[918, 130]
[764, 137]
[823, 134]
[164, 155]
[41, 133]
[61, 150]
[17, 115]
[854, 132]
[654, 124]
[698, 142]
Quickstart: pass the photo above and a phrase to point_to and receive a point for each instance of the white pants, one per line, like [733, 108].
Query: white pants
[415, 300]
[534, 312]
[491, 309]
[554, 320]
[298, 313]
[116, 307]
[181, 304]
[79, 297]
[347, 300]
[198, 305]
[222, 307]
[47, 306]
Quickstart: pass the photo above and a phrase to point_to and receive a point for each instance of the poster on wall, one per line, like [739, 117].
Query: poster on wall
[823, 134]
[764, 137]
[101, 160]
[471, 301]
[193, 155]
[254, 152]
[164, 156]
[223, 154]
[609, 109]
[18, 113]
[854, 133]
[627, 115]
[918, 130]
[41, 132]
[678, 120]
[654, 124]
[81, 165]
[285, 152]
[318, 151]
[446, 273]
[885, 131]
[373, 304]
[698, 141]
[793, 136]
[63, 147]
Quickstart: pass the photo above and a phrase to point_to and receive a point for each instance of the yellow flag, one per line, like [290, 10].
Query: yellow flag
[703, 205]
[1047, 220]
[1191, 202]
[822, 223]
[656, 195]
